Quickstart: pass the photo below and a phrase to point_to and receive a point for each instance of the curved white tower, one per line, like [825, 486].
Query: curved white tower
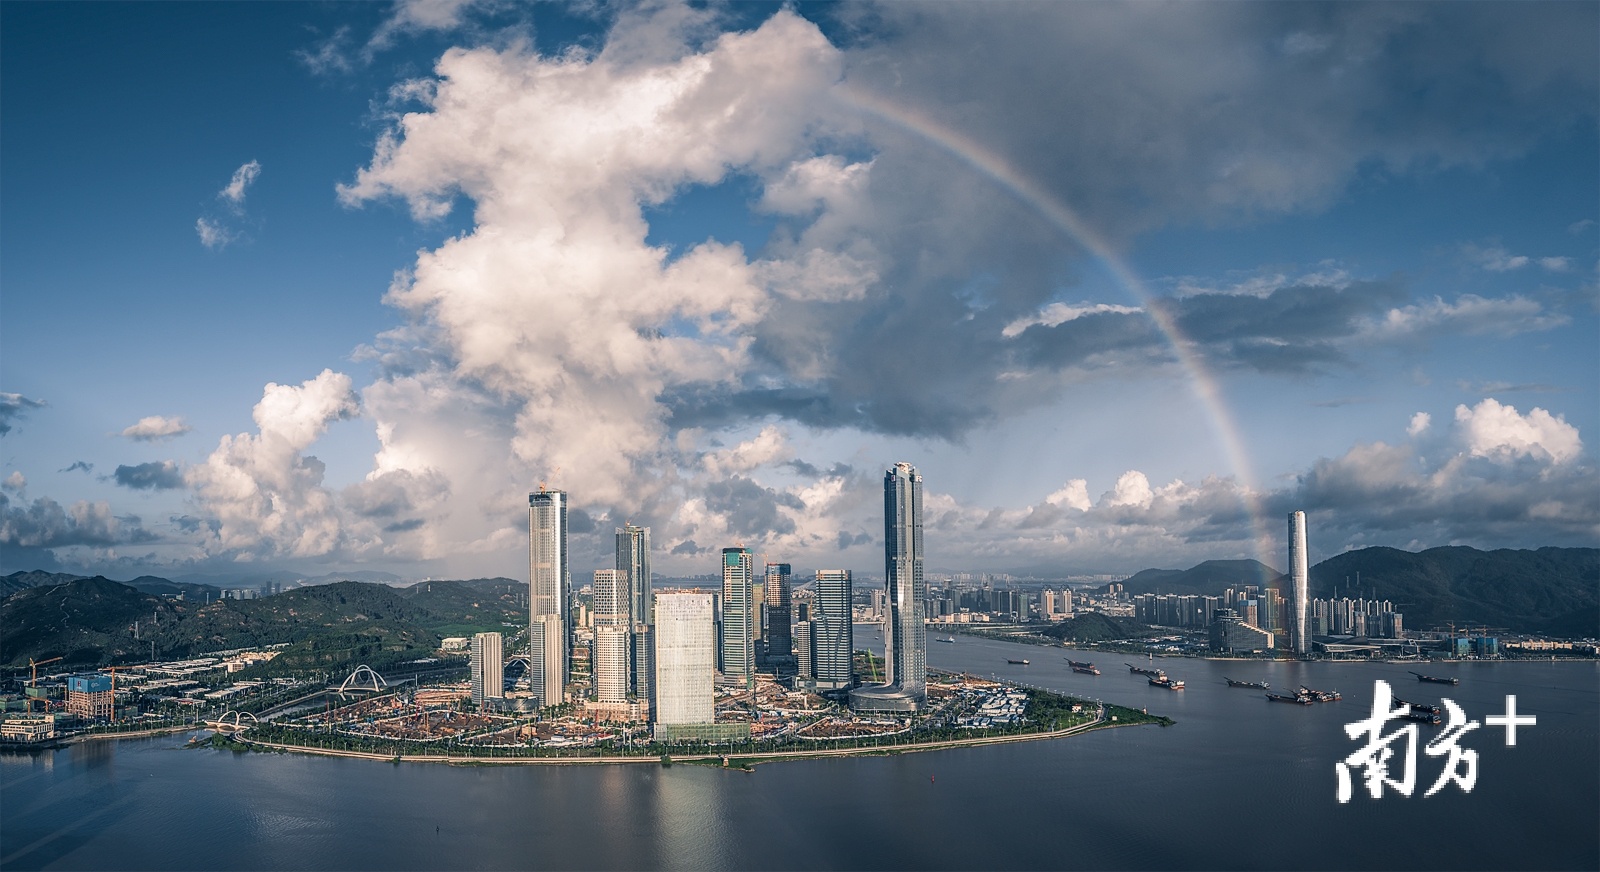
[1299, 578]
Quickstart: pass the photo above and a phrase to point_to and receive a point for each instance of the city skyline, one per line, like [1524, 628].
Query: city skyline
[1133, 306]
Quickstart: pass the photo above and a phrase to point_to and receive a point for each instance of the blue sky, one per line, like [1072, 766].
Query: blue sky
[326, 287]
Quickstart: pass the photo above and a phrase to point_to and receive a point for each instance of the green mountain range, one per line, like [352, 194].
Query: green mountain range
[96, 621]
[1550, 590]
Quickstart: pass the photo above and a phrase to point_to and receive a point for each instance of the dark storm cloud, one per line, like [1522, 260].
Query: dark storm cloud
[846, 539]
[13, 407]
[1381, 494]
[45, 524]
[83, 465]
[687, 548]
[1211, 113]
[579, 522]
[157, 475]
[751, 509]
[404, 526]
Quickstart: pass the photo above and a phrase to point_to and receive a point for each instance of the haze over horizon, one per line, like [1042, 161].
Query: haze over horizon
[331, 287]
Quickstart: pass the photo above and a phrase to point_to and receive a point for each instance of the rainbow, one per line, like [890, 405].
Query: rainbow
[1058, 214]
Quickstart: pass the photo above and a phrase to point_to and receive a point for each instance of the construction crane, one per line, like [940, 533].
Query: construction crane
[33, 678]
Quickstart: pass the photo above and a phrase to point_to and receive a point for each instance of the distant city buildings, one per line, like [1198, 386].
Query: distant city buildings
[488, 669]
[1231, 635]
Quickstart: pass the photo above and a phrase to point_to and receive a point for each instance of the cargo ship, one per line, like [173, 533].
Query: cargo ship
[1140, 670]
[1168, 683]
[1085, 668]
[1417, 711]
[1320, 695]
[1259, 685]
[1284, 697]
[950, 639]
[1017, 662]
[1436, 679]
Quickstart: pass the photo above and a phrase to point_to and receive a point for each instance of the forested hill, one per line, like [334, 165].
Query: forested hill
[1549, 590]
[91, 621]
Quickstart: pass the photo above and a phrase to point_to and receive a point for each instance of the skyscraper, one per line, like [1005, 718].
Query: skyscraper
[905, 635]
[738, 636]
[832, 633]
[549, 587]
[611, 655]
[633, 558]
[613, 644]
[612, 602]
[780, 647]
[686, 650]
[488, 668]
[1299, 578]
[546, 647]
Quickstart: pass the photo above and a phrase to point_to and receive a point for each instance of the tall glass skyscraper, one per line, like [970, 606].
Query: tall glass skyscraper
[779, 596]
[633, 560]
[1299, 579]
[633, 557]
[738, 634]
[904, 633]
[832, 640]
[549, 587]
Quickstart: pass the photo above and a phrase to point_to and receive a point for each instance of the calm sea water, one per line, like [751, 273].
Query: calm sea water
[1238, 783]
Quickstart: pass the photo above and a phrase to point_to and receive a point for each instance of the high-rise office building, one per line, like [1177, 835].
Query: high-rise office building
[613, 643]
[780, 646]
[904, 632]
[832, 633]
[1299, 578]
[612, 600]
[611, 656]
[685, 654]
[738, 636]
[633, 558]
[488, 668]
[802, 651]
[546, 649]
[549, 589]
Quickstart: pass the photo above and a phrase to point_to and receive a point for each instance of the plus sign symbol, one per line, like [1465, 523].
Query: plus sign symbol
[1511, 720]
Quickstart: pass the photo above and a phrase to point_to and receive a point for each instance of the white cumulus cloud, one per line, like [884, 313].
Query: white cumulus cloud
[1498, 431]
[154, 428]
[266, 494]
[1419, 423]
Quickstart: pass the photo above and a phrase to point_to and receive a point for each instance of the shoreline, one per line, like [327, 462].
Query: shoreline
[738, 761]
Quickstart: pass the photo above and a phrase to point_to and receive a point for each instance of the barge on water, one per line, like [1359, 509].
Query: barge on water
[1436, 679]
[1320, 695]
[1258, 685]
[1085, 668]
[1168, 683]
[1284, 697]
[1140, 670]
[1016, 662]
